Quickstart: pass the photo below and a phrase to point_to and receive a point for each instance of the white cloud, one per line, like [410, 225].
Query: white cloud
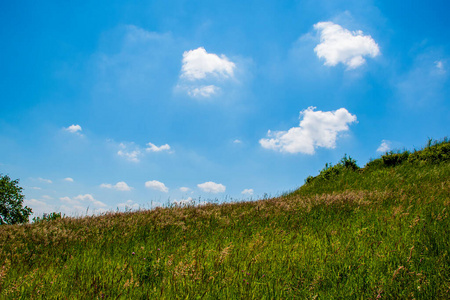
[35, 188]
[317, 129]
[247, 192]
[68, 179]
[73, 129]
[439, 64]
[133, 152]
[120, 186]
[81, 204]
[154, 148]
[156, 185]
[424, 85]
[38, 207]
[184, 189]
[205, 91]
[384, 147]
[131, 156]
[198, 64]
[237, 141]
[128, 205]
[45, 180]
[184, 202]
[212, 187]
[69, 201]
[339, 45]
[89, 198]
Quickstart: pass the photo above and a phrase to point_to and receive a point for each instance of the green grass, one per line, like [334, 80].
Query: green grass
[381, 231]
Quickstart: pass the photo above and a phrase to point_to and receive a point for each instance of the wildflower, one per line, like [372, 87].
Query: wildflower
[132, 253]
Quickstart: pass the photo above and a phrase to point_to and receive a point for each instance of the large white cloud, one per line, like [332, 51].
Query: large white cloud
[198, 64]
[212, 187]
[156, 185]
[317, 129]
[339, 45]
[120, 186]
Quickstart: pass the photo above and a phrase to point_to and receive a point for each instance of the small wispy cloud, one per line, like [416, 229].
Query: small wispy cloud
[153, 148]
[68, 179]
[205, 91]
[212, 187]
[247, 192]
[74, 129]
[156, 185]
[131, 156]
[440, 66]
[44, 180]
[134, 153]
[120, 186]
[128, 205]
[384, 147]
[182, 202]
[89, 198]
[80, 200]
[184, 189]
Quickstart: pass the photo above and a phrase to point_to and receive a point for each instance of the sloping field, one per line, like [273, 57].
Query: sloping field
[378, 232]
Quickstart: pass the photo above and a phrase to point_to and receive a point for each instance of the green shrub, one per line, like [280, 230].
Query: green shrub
[349, 163]
[434, 152]
[375, 163]
[392, 159]
[47, 217]
[330, 171]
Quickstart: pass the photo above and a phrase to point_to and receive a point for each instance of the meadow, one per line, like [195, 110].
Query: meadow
[377, 232]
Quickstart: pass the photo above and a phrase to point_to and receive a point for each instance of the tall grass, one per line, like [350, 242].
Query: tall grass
[376, 232]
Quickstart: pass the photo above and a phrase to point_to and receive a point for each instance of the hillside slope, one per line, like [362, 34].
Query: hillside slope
[382, 231]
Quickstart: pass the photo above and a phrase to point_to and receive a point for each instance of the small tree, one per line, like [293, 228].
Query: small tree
[11, 201]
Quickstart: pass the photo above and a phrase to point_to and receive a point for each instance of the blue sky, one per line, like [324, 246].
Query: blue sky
[113, 104]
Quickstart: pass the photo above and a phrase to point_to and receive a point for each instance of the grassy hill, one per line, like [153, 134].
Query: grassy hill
[382, 231]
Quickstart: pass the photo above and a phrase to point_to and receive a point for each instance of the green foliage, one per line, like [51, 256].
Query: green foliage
[47, 217]
[11, 201]
[435, 152]
[392, 159]
[330, 171]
